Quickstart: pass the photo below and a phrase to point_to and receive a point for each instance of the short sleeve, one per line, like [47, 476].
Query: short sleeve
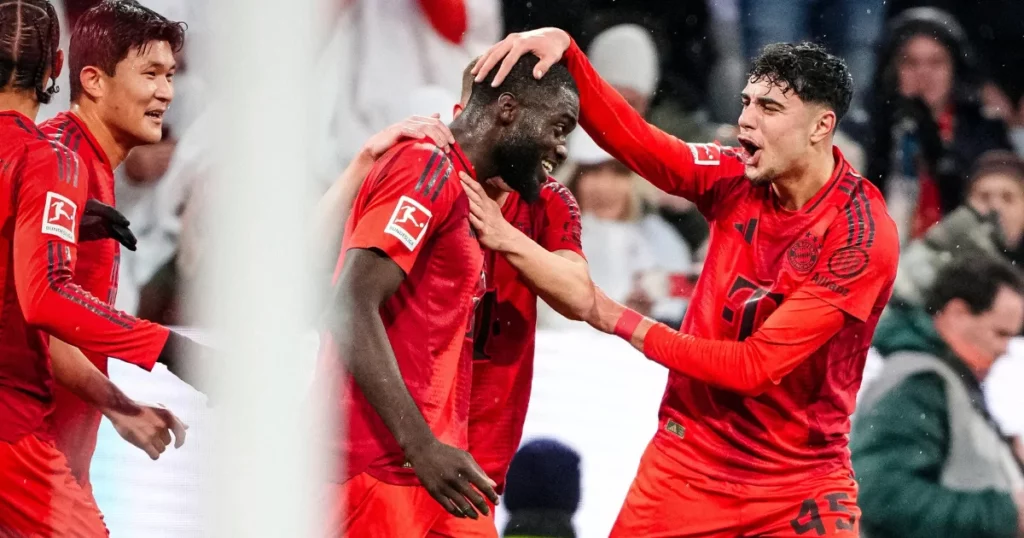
[406, 198]
[561, 229]
[858, 260]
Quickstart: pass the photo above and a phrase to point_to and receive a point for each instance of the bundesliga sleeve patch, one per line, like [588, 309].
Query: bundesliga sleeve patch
[409, 222]
[706, 154]
[59, 217]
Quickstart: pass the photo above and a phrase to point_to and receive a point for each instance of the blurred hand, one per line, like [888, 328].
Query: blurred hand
[146, 164]
[452, 478]
[493, 231]
[417, 128]
[101, 221]
[548, 44]
[148, 427]
[996, 103]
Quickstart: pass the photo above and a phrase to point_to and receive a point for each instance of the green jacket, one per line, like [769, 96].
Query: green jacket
[899, 448]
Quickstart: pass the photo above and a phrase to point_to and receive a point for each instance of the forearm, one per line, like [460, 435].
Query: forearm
[621, 131]
[563, 283]
[73, 370]
[364, 346]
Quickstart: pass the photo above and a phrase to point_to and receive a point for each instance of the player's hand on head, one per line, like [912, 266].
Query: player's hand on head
[548, 44]
[415, 127]
[493, 231]
[453, 478]
[101, 221]
[148, 427]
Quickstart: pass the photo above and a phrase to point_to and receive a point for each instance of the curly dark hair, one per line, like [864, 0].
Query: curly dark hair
[807, 70]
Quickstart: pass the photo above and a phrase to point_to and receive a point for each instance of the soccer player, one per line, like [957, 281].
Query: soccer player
[42, 190]
[409, 276]
[529, 250]
[121, 58]
[753, 428]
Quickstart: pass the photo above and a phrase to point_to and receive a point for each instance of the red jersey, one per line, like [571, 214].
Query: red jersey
[44, 190]
[412, 207]
[766, 399]
[506, 325]
[76, 423]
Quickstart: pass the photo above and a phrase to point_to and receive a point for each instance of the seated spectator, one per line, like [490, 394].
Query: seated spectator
[997, 186]
[625, 245]
[930, 461]
[542, 491]
[927, 122]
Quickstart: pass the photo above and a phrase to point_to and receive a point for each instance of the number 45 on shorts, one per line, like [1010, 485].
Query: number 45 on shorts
[835, 514]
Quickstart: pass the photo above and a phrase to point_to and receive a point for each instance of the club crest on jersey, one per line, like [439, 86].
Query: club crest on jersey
[60, 216]
[803, 255]
[409, 222]
[848, 262]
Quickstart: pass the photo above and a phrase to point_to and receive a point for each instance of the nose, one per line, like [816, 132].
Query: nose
[562, 152]
[164, 89]
[746, 120]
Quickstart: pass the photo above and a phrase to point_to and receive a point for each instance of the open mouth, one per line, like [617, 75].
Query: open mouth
[155, 114]
[751, 151]
[549, 165]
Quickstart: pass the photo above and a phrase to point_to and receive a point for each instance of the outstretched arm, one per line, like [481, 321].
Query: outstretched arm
[800, 326]
[688, 170]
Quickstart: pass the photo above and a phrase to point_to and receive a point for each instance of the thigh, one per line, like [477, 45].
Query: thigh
[449, 526]
[666, 502]
[41, 496]
[828, 507]
[369, 508]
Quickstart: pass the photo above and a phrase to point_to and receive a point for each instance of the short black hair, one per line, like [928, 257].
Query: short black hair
[809, 71]
[975, 280]
[29, 40]
[521, 83]
[107, 32]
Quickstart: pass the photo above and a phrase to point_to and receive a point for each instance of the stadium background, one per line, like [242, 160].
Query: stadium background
[361, 65]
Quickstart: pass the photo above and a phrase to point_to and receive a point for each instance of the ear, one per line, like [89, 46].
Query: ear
[92, 81]
[957, 309]
[58, 64]
[824, 125]
[456, 110]
[508, 108]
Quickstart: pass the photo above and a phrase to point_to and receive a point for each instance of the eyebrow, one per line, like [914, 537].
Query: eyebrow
[763, 100]
[151, 64]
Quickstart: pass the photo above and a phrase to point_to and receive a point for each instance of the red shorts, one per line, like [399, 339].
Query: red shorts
[40, 497]
[449, 526]
[666, 501]
[369, 508]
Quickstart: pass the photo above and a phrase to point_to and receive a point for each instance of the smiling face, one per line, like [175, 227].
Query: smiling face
[533, 143]
[133, 100]
[777, 130]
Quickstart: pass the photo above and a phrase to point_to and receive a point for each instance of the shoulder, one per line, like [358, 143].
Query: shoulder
[411, 160]
[864, 223]
[555, 195]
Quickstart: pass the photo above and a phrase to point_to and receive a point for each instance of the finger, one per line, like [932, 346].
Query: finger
[507, 64]
[444, 501]
[476, 221]
[152, 452]
[472, 194]
[491, 58]
[412, 132]
[542, 67]
[453, 492]
[482, 483]
[473, 496]
[472, 184]
[440, 138]
[178, 427]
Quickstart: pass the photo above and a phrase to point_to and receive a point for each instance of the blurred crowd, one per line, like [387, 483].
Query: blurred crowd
[937, 124]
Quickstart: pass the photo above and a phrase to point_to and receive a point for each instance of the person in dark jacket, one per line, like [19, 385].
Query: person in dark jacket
[927, 124]
[929, 459]
[542, 491]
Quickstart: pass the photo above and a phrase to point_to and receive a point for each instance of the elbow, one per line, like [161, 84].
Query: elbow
[37, 315]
